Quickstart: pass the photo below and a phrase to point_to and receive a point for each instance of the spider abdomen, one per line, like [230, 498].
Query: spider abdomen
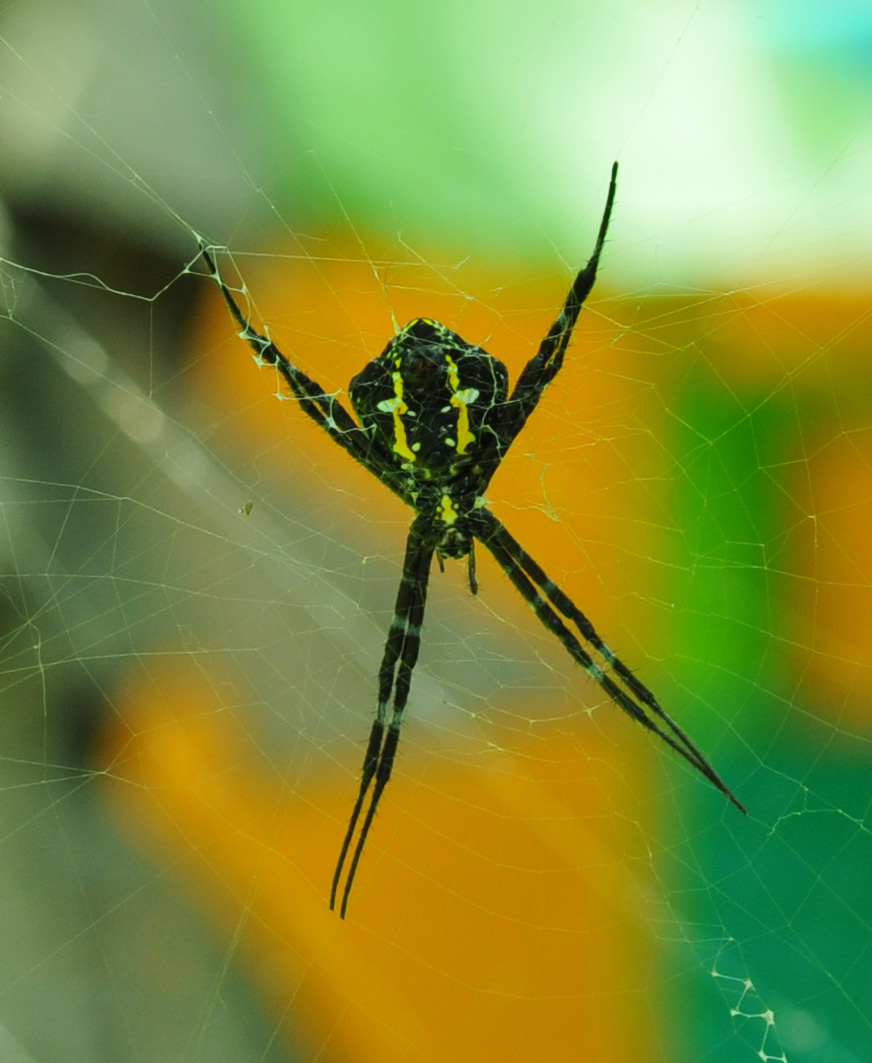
[428, 399]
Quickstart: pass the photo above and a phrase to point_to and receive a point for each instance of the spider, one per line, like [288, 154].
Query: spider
[434, 421]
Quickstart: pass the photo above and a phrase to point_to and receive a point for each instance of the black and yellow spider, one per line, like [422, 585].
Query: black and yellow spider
[436, 419]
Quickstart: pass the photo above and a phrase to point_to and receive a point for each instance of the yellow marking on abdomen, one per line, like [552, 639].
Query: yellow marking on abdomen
[397, 406]
[461, 400]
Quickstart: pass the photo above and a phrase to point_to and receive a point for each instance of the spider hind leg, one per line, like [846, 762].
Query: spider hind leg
[547, 600]
[370, 766]
[395, 677]
[378, 764]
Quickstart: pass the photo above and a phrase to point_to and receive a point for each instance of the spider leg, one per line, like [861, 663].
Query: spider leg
[544, 596]
[395, 677]
[325, 410]
[546, 363]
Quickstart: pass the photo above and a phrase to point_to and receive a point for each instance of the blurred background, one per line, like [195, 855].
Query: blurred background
[195, 587]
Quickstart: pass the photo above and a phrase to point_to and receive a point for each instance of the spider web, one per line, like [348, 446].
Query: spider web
[196, 586]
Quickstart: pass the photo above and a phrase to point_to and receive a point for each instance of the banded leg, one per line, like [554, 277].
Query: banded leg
[546, 363]
[395, 677]
[325, 410]
[544, 596]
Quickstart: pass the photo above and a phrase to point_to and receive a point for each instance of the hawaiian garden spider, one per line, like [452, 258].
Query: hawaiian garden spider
[436, 420]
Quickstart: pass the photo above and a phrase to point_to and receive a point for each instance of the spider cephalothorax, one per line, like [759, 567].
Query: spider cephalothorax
[435, 421]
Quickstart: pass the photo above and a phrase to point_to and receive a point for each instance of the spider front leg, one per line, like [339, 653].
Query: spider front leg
[324, 409]
[546, 363]
[395, 677]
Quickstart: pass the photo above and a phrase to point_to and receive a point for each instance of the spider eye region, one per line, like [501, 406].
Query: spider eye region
[429, 398]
